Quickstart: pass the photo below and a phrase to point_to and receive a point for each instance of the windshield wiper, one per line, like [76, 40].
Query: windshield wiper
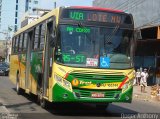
[108, 39]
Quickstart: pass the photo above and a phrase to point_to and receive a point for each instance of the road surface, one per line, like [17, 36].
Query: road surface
[15, 106]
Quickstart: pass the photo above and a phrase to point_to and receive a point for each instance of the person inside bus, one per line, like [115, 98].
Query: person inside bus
[68, 42]
[109, 45]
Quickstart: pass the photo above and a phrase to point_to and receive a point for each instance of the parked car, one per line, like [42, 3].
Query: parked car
[4, 68]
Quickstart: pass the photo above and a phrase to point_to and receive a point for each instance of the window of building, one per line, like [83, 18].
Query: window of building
[35, 2]
[16, 21]
[16, 14]
[30, 0]
[27, 4]
[16, 7]
[16, 1]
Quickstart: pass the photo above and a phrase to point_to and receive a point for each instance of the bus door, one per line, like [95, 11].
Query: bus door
[28, 61]
[48, 55]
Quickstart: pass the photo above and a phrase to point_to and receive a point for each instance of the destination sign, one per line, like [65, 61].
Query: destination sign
[79, 58]
[95, 16]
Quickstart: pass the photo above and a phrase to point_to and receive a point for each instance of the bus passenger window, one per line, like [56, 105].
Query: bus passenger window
[42, 37]
[17, 44]
[13, 45]
[25, 42]
[36, 38]
[20, 42]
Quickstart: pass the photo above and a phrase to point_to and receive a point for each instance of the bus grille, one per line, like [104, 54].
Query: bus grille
[98, 75]
[84, 93]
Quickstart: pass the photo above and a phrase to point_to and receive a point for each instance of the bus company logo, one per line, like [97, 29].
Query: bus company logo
[75, 82]
[85, 82]
[98, 84]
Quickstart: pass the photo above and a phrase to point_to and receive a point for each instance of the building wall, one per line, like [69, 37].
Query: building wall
[33, 4]
[7, 16]
[11, 12]
[145, 12]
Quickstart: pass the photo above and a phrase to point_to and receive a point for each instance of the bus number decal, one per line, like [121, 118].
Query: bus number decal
[112, 85]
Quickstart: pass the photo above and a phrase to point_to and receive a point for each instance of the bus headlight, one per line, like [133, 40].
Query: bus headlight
[67, 84]
[63, 82]
[58, 78]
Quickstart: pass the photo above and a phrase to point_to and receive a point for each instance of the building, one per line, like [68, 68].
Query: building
[11, 12]
[146, 14]
[29, 17]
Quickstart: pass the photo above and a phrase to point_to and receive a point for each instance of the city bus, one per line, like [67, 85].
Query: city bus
[75, 54]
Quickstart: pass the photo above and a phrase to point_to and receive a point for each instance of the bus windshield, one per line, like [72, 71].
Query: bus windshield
[97, 47]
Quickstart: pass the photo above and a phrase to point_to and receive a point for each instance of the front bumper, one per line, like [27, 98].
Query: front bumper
[60, 94]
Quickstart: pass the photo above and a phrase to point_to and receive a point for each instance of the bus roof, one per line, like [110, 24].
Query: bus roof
[97, 8]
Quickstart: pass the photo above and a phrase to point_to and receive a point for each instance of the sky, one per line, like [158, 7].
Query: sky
[49, 4]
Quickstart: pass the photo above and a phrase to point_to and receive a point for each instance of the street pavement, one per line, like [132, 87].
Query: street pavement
[147, 96]
[137, 94]
[24, 106]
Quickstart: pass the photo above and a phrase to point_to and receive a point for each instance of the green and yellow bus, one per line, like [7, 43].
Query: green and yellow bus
[75, 54]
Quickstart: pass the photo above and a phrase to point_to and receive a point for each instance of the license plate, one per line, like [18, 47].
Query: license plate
[97, 95]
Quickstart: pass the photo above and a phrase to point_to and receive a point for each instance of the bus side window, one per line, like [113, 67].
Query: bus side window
[42, 36]
[13, 44]
[36, 38]
[25, 42]
[17, 44]
[15, 41]
[20, 42]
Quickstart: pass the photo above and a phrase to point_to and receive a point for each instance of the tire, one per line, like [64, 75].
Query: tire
[18, 89]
